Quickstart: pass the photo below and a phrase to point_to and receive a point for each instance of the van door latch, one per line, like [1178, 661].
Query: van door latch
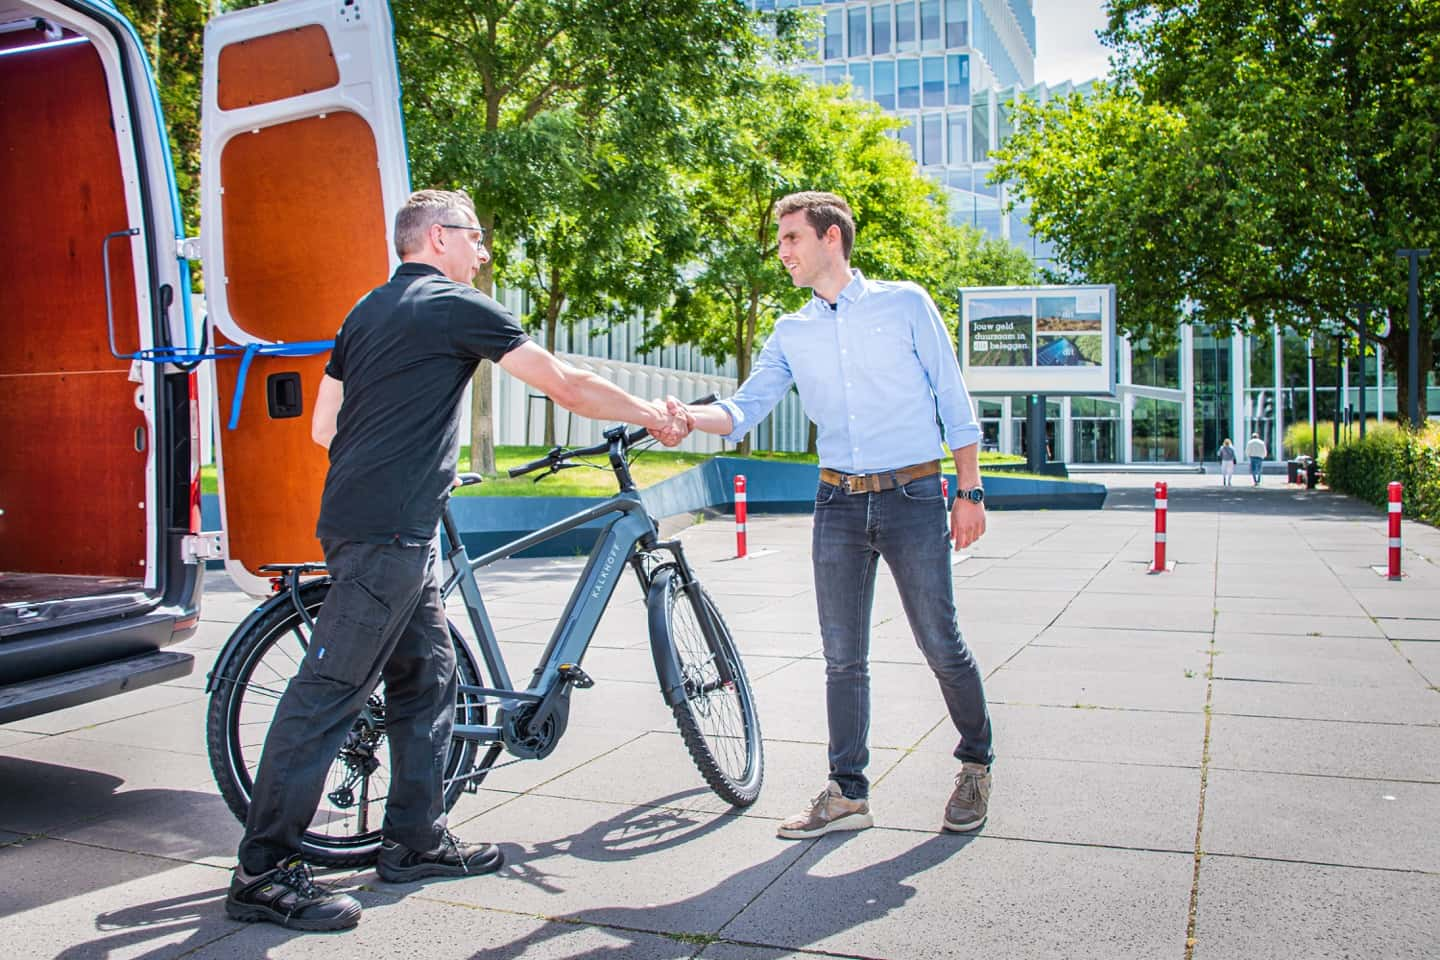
[201, 546]
[188, 248]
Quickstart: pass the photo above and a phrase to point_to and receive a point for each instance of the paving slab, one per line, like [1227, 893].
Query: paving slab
[82, 901]
[1160, 803]
[1092, 689]
[1406, 629]
[1324, 747]
[651, 867]
[1042, 655]
[1385, 824]
[1116, 638]
[887, 893]
[1067, 733]
[1319, 701]
[1398, 600]
[1336, 604]
[1285, 645]
[1259, 908]
[905, 703]
[56, 782]
[1172, 612]
[177, 729]
[442, 930]
[1291, 624]
[1384, 669]
[1424, 656]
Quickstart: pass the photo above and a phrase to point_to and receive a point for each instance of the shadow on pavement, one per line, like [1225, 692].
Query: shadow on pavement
[851, 899]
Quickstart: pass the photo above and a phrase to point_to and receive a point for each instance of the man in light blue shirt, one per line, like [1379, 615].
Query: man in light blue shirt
[877, 373]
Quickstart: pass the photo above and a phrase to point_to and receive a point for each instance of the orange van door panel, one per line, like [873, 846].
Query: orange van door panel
[303, 169]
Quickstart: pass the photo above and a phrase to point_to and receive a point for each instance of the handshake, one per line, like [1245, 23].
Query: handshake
[673, 421]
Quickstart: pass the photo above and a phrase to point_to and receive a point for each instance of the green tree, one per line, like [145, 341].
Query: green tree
[773, 134]
[173, 36]
[482, 78]
[1253, 162]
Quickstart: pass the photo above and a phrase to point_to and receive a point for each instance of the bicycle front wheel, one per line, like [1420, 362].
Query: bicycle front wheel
[345, 831]
[717, 717]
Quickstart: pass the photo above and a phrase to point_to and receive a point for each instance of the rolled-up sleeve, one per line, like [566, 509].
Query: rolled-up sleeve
[937, 356]
[764, 388]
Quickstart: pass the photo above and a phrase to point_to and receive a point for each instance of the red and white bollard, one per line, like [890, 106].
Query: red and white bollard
[1162, 500]
[1396, 506]
[945, 489]
[739, 515]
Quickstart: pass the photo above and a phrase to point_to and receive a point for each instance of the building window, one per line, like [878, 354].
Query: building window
[885, 84]
[858, 33]
[990, 414]
[1155, 431]
[860, 79]
[834, 34]
[956, 34]
[957, 80]
[836, 73]
[814, 74]
[980, 129]
[880, 29]
[930, 25]
[933, 84]
[955, 126]
[909, 82]
[905, 27]
[932, 140]
[907, 135]
[1151, 369]
[1095, 429]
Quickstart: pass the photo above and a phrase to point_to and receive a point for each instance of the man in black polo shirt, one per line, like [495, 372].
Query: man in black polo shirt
[388, 409]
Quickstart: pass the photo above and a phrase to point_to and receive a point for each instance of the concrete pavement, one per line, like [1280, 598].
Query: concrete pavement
[1240, 758]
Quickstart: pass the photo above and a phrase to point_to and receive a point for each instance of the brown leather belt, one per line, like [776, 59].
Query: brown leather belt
[875, 482]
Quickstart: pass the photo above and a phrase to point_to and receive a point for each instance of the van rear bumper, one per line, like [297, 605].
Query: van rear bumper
[44, 694]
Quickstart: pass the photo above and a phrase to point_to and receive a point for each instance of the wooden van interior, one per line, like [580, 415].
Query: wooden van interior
[72, 481]
[305, 237]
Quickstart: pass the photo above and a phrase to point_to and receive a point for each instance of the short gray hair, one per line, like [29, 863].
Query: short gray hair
[424, 209]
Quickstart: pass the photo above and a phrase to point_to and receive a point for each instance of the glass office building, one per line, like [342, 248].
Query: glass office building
[951, 70]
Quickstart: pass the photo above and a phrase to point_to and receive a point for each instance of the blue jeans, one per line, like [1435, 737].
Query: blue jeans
[909, 528]
[1255, 464]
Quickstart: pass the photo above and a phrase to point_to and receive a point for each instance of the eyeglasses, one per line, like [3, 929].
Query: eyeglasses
[467, 227]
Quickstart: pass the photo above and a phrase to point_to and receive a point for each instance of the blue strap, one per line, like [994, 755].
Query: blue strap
[247, 354]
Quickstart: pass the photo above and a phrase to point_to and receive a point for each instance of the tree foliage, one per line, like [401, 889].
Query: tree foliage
[1253, 162]
[774, 134]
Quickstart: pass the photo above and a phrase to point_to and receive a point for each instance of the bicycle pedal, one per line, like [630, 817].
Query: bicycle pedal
[577, 677]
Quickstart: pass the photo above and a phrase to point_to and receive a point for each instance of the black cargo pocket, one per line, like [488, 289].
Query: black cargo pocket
[347, 640]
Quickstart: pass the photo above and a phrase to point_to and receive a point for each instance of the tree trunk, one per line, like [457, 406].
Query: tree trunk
[552, 325]
[812, 434]
[1397, 348]
[744, 348]
[482, 422]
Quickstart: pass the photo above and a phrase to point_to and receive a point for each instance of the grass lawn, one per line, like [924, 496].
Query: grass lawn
[648, 469]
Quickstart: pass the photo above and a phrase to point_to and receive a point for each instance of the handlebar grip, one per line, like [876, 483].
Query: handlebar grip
[532, 465]
[709, 398]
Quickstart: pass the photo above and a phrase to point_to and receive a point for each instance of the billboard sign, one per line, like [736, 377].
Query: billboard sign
[1050, 340]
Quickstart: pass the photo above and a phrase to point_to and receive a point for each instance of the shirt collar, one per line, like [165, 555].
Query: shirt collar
[414, 268]
[852, 291]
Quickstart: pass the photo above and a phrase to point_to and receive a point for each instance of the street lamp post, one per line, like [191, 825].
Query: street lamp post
[1364, 309]
[1311, 469]
[1414, 255]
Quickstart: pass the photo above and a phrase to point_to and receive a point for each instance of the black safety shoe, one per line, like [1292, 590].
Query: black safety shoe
[400, 864]
[289, 896]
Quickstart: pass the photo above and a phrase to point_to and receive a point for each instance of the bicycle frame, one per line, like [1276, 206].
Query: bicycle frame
[614, 550]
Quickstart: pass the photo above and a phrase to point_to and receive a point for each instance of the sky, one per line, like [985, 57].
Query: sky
[1065, 40]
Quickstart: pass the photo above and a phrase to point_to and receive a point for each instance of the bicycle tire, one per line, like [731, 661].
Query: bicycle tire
[717, 719]
[243, 704]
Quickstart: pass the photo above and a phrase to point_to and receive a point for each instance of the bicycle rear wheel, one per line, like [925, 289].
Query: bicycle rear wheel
[717, 717]
[345, 831]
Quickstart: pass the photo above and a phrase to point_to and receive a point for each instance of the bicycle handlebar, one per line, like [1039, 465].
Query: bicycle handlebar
[558, 455]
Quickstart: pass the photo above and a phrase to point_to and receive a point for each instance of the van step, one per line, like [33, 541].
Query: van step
[44, 694]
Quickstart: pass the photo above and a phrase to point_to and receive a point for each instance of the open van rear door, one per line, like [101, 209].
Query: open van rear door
[303, 169]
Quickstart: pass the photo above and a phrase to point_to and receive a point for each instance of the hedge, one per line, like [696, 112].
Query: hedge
[1365, 468]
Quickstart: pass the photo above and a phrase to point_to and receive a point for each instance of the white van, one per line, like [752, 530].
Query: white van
[303, 167]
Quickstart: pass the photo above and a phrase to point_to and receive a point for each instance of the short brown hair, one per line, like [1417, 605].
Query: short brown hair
[424, 209]
[822, 211]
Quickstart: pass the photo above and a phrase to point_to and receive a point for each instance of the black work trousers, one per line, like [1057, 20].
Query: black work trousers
[382, 617]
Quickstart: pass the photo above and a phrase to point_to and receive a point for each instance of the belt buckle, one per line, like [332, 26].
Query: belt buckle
[857, 483]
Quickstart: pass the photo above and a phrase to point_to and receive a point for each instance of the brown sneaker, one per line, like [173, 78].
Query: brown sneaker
[831, 810]
[970, 802]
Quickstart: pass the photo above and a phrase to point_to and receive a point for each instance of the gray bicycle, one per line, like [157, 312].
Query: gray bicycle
[698, 665]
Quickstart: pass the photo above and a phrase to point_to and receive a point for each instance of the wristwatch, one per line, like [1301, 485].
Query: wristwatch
[974, 494]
